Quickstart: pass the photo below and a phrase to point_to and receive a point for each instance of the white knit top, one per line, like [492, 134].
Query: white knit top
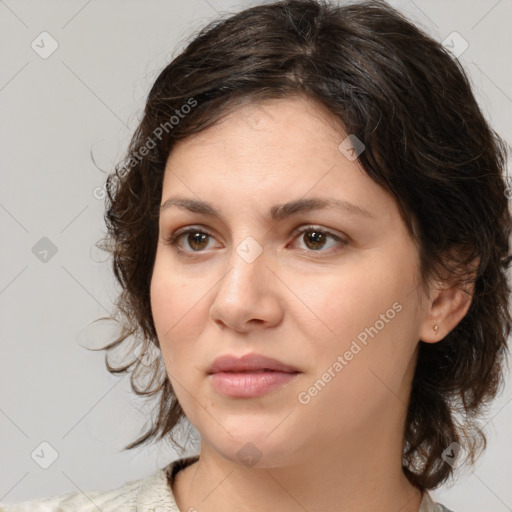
[152, 494]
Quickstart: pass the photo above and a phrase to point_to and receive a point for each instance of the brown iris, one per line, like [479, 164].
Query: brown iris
[317, 239]
[197, 238]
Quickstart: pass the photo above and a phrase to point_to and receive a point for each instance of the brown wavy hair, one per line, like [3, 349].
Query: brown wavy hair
[427, 143]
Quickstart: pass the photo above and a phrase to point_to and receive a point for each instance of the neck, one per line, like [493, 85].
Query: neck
[363, 476]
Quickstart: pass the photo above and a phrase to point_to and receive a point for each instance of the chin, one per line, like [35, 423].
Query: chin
[256, 450]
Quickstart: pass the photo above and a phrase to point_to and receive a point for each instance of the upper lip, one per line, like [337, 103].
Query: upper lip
[229, 363]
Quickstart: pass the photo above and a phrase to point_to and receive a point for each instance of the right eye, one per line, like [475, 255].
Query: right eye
[197, 239]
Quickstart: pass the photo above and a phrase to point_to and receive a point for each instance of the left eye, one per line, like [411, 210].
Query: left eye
[314, 238]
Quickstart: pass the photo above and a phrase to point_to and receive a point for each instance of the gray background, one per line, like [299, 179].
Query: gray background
[88, 96]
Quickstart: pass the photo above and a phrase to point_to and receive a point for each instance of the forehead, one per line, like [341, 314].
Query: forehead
[291, 125]
[269, 153]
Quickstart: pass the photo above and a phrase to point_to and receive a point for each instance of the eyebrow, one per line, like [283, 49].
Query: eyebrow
[277, 212]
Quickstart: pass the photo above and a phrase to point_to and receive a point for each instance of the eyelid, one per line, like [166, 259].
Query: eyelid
[172, 237]
[342, 240]
[311, 227]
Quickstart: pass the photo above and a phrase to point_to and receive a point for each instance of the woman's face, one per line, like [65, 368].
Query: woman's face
[339, 302]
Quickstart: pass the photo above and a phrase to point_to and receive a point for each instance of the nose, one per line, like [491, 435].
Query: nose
[248, 294]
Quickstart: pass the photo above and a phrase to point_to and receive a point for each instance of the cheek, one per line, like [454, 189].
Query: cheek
[171, 293]
[368, 302]
[167, 310]
[348, 299]
[360, 369]
[180, 309]
[164, 298]
[171, 298]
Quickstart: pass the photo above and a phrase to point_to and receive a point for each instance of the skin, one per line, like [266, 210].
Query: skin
[297, 302]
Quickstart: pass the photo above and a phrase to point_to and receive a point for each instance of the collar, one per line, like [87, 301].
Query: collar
[155, 492]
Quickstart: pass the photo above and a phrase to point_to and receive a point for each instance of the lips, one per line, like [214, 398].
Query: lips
[250, 363]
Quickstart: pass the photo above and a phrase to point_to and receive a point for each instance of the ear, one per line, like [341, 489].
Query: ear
[446, 307]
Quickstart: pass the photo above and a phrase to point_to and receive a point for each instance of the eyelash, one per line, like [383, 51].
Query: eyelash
[173, 238]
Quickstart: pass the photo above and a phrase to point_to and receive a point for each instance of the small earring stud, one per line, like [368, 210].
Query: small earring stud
[436, 327]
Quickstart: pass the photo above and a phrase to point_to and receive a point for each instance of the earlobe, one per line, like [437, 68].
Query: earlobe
[445, 312]
[448, 306]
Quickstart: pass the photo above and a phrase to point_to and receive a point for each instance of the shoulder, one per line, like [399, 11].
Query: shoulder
[429, 505]
[143, 495]
[121, 498]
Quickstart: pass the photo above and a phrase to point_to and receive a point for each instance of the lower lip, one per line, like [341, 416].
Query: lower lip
[249, 385]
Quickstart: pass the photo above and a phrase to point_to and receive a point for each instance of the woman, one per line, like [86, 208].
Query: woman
[311, 228]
